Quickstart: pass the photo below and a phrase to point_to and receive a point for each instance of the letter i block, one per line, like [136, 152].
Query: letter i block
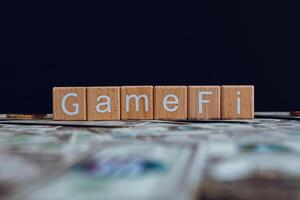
[69, 103]
[103, 103]
[136, 102]
[237, 102]
[204, 102]
[170, 102]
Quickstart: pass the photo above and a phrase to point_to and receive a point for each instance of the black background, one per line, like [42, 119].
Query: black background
[156, 43]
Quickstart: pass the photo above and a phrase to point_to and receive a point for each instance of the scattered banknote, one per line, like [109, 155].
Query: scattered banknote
[126, 170]
[232, 159]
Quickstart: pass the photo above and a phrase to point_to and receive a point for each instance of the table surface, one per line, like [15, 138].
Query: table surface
[233, 159]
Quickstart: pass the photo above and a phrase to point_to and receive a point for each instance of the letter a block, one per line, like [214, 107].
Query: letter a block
[103, 103]
[170, 102]
[204, 102]
[136, 102]
[237, 102]
[69, 103]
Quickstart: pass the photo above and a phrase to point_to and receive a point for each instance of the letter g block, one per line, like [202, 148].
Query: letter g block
[69, 103]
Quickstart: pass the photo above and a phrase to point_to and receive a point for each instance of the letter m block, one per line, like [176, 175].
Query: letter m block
[69, 103]
[136, 102]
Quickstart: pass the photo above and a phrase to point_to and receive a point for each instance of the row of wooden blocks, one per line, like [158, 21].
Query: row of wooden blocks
[148, 102]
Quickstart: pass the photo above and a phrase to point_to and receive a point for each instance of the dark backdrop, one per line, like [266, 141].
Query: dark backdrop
[159, 43]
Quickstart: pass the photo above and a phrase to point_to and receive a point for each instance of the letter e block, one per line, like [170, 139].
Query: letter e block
[103, 103]
[237, 102]
[136, 102]
[204, 102]
[170, 102]
[69, 103]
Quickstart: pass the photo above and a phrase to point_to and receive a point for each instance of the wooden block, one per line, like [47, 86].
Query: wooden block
[204, 102]
[136, 102]
[69, 103]
[237, 102]
[170, 102]
[103, 103]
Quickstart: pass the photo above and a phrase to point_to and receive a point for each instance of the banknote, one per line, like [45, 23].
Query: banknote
[70, 144]
[127, 170]
[261, 169]
[154, 159]
[106, 124]
[21, 173]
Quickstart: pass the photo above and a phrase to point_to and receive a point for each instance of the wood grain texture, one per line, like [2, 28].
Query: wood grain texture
[71, 103]
[204, 110]
[229, 101]
[176, 110]
[109, 97]
[136, 102]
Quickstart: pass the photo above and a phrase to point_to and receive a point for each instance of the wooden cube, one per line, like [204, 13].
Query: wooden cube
[170, 102]
[136, 102]
[103, 103]
[203, 102]
[69, 103]
[237, 102]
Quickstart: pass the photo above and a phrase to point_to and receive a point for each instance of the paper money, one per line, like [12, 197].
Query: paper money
[134, 170]
[244, 159]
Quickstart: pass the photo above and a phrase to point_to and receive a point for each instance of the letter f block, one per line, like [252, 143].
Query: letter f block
[136, 102]
[69, 103]
[204, 102]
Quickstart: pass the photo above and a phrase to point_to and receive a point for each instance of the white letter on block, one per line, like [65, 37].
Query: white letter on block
[203, 101]
[238, 103]
[174, 102]
[137, 98]
[106, 103]
[63, 104]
